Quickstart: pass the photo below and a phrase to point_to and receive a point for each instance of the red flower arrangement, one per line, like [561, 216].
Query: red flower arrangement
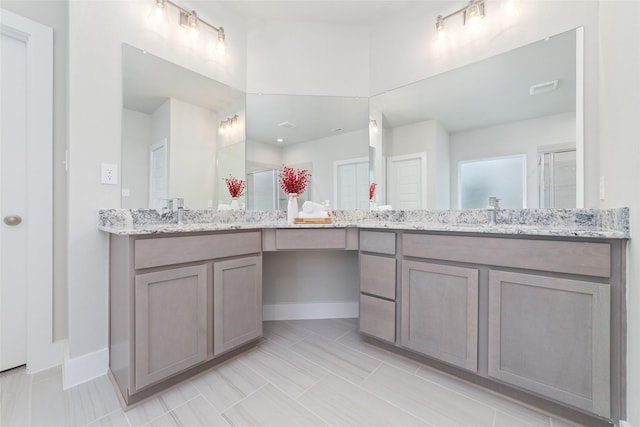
[236, 186]
[372, 190]
[294, 180]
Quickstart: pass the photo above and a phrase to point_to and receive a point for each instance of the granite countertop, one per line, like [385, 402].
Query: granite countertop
[592, 223]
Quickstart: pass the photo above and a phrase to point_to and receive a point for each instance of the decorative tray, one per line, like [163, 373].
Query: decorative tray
[312, 220]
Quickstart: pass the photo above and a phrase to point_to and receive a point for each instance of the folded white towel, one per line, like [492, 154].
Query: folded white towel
[309, 207]
[384, 208]
[324, 214]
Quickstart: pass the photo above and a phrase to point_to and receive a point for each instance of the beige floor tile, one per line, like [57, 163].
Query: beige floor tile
[337, 358]
[228, 383]
[294, 358]
[151, 409]
[270, 407]
[195, 413]
[15, 389]
[496, 401]
[286, 376]
[77, 406]
[354, 340]
[116, 419]
[427, 400]
[558, 422]
[328, 328]
[284, 333]
[341, 403]
[506, 420]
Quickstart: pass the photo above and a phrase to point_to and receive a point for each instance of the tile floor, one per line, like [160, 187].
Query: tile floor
[305, 373]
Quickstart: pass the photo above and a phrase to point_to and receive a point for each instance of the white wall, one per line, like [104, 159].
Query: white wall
[306, 58]
[619, 109]
[97, 30]
[54, 14]
[136, 139]
[431, 138]
[523, 137]
[192, 153]
[322, 153]
[261, 156]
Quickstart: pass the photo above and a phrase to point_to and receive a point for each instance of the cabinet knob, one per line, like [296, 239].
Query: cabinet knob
[12, 220]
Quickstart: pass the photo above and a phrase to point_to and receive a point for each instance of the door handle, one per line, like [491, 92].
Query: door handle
[12, 220]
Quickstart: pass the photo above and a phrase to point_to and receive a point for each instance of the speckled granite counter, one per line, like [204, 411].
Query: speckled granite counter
[594, 223]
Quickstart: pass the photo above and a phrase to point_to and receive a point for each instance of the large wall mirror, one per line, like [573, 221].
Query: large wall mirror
[182, 134]
[326, 135]
[509, 126]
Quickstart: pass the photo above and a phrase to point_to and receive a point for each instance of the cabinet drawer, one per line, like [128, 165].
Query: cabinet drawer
[590, 259]
[382, 242]
[378, 276]
[335, 238]
[177, 250]
[378, 318]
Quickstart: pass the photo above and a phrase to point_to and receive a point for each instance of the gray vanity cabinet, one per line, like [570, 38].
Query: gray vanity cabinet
[170, 322]
[378, 284]
[439, 314]
[180, 304]
[237, 303]
[551, 336]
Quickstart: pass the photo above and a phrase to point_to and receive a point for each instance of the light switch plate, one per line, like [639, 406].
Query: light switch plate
[109, 174]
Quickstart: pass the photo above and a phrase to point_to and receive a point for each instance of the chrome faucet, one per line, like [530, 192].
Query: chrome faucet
[180, 206]
[494, 207]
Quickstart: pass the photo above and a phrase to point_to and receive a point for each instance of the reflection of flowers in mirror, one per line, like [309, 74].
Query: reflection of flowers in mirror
[372, 190]
[235, 186]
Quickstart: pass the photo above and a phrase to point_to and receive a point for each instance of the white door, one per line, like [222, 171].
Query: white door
[13, 203]
[351, 184]
[407, 183]
[158, 175]
[26, 286]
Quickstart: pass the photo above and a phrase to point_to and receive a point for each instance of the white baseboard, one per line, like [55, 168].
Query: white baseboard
[84, 368]
[331, 310]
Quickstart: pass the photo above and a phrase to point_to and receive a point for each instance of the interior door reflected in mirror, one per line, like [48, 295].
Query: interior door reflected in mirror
[326, 135]
[520, 106]
[182, 134]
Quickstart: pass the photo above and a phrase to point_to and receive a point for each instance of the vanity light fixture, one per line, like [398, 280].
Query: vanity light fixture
[471, 12]
[229, 124]
[189, 19]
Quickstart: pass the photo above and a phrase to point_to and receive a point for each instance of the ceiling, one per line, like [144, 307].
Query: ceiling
[345, 12]
[148, 81]
[314, 117]
[489, 92]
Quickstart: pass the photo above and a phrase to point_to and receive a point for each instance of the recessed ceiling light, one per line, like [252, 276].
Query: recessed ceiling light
[280, 140]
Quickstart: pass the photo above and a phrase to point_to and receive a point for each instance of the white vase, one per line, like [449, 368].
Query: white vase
[234, 203]
[292, 208]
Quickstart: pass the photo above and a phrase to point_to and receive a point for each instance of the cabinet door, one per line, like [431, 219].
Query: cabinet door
[170, 322]
[439, 312]
[551, 336]
[237, 302]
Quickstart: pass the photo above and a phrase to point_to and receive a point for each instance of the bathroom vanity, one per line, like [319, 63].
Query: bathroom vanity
[538, 314]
